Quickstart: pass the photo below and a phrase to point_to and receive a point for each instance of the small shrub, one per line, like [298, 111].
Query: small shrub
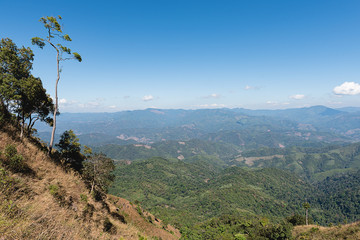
[57, 193]
[9, 208]
[314, 229]
[138, 209]
[149, 219]
[296, 219]
[83, 198]
[240, 236]
[277, 232]
[142, 237]
[53, 189]
[13, 160]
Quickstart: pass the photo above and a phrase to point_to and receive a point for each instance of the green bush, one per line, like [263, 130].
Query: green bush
[277, 232]
[57, 193]
[83, 198]
[13, 160]
[240, 236]
[296, 219]
[7, 184]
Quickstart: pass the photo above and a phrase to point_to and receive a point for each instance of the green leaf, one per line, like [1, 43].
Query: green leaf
[77, 56]
[67, 37]
[38, 41]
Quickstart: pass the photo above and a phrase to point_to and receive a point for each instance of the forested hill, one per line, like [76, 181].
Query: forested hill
[314, 164]
[185, 193]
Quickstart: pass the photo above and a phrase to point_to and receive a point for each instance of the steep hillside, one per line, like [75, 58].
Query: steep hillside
[340, 196]
[40, 200]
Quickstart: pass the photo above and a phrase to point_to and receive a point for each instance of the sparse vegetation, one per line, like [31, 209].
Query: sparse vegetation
[47, 204]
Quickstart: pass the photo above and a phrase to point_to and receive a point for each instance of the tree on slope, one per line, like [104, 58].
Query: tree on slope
[70, 150]
[20, 92]
[54, 33]
[97, 171]
[306, 206]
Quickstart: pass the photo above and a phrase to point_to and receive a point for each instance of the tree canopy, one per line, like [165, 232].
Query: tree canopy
[70, 150]
[21, 93]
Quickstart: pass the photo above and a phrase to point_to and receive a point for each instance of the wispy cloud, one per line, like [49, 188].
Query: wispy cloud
[297, 96]
[213, 95]
[147, 98]
[347, 88]
[65, 102]
[247, 87]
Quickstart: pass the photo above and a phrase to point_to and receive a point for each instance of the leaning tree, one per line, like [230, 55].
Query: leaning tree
[54, 35]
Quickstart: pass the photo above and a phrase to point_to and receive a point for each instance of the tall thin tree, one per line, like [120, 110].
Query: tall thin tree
[54, 34]
[306, 206]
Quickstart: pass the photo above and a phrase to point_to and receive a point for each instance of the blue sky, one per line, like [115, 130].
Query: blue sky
[197, 54]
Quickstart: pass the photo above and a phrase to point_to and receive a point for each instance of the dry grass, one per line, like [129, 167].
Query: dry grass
[32, 211]
[313, 232]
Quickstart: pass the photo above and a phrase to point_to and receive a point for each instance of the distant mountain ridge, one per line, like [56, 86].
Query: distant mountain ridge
[154, 125]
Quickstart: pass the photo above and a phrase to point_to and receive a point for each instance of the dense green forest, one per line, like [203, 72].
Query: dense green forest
[185, 193]
[313, 164]
[196, 196]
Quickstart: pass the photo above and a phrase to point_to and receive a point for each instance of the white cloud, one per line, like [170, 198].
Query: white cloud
[112, 107]
[64, 102]
[147, 98]
[271, 102]
[297, 96]
[214, 95]
[347, 88]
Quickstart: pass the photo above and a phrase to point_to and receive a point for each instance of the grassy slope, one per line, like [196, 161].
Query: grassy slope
[29, 211]
[313, 232]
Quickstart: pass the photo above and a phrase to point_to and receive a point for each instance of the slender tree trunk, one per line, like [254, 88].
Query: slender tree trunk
[22, 126]
[92, 186]
[56, 101]
[306, 217]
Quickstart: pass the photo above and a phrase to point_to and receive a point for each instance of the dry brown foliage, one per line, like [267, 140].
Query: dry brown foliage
[314, 232]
